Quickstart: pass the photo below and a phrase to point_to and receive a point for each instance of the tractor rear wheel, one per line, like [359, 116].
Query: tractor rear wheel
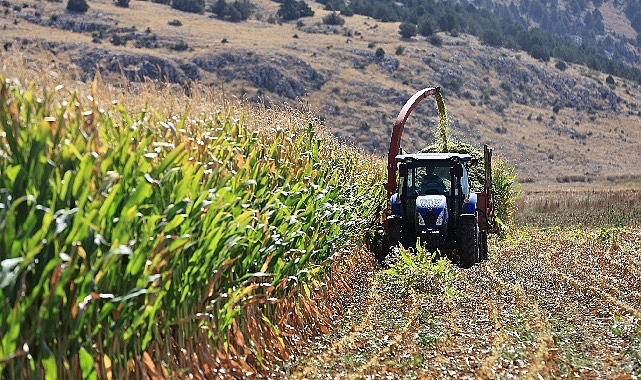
[469, 241]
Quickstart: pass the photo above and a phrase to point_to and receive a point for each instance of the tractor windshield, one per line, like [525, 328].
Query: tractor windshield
[433, 179]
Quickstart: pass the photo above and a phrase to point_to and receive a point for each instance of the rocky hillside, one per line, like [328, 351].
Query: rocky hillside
[570, 125]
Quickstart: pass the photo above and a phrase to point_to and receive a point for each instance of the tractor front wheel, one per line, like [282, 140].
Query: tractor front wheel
[469, 241]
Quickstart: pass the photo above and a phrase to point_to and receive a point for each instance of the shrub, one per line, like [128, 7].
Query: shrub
[118, 40]
[400, 49]
[78, 6]
[294, 9]
[380, 53]
[436, 40]
[192, 6]
[179, 46]
[175, 23]
[333, 19]
[407, 29]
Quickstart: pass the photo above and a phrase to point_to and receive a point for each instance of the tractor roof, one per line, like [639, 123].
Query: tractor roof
[433, 157]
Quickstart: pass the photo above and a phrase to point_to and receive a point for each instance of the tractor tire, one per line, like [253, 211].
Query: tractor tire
[483, 249]
[391, 240]
[469, 240]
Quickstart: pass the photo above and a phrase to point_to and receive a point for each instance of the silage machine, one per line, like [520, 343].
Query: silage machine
[430, 198]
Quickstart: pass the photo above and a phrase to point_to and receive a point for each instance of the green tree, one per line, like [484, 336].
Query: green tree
[294, 9]
[78, 6]
[426, 26]
[407, 29]
[219, 8]
[192, 6]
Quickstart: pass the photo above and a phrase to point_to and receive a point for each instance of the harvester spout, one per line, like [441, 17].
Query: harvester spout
[395, 143]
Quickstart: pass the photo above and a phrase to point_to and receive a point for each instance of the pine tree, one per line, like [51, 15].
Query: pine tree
[193, 6]
[78, 6]
[407, 29]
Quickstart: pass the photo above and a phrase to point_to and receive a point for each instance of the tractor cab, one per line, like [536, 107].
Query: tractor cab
[433, 191]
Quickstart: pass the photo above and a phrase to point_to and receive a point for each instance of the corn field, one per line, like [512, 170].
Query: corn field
[145, 234]
[145, 244]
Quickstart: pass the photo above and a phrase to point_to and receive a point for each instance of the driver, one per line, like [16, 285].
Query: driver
[432, 183]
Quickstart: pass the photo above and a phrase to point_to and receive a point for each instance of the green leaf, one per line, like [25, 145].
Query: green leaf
[86, 365]
[51, 369]
[10, 338]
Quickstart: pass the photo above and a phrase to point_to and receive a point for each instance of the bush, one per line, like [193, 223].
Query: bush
[118, 40]
[78, 6]
[175, 23]
[192, 6]
[380, 53]
[400, 49]
[407, 29]
[179, 46]
[333, 19]
[122, 3]
[436, 40]
[294, 9]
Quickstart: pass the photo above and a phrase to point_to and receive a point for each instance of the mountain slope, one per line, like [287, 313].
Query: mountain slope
[553, 125]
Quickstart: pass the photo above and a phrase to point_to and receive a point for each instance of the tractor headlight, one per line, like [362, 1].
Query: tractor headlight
[421, 221]
[440, 218]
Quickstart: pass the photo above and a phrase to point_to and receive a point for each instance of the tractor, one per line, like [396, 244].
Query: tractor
[430, 199]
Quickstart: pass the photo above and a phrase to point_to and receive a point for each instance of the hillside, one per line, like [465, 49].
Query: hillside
[555, 126]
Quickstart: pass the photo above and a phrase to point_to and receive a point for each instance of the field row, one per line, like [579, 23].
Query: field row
[550, 303]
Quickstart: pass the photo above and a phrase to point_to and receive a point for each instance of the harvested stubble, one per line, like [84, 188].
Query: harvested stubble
[549, 303]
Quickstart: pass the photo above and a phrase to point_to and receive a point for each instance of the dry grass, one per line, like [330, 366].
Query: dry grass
[596, 207]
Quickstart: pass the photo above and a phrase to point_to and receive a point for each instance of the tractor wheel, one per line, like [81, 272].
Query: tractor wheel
[483, 249]
[469, 238]
[392, 239]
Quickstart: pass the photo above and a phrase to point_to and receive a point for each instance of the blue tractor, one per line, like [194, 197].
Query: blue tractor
[430, 199]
